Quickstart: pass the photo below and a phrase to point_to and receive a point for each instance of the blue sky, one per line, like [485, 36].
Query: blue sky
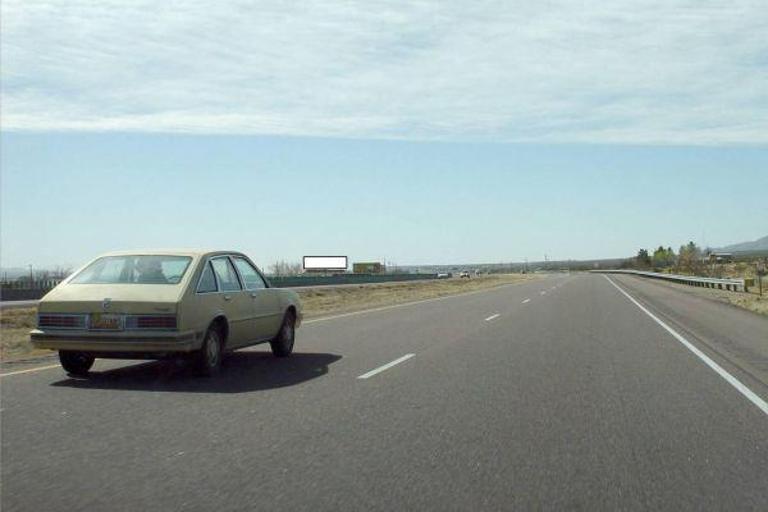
[67, 197]
[418, 131]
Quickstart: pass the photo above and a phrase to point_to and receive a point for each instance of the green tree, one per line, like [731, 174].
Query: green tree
[663, 258]
[671, 257]
[689, 259]
[643, 260]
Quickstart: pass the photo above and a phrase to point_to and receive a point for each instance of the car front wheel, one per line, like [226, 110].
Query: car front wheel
[76, 363]
[282, 345]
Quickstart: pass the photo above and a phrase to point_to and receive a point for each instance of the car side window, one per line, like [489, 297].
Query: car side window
[207, 282]
[225, 272]
[251, 278]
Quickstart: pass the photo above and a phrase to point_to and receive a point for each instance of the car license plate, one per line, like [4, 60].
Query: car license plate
[105, 322]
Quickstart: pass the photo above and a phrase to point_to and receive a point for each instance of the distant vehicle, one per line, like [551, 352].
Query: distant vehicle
[373, 267]
[443, 275]
[157, 304]
[464, 274]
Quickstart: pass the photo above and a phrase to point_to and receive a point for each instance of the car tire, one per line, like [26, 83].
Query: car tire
[282, 344]
[76, 363]
[211, 353]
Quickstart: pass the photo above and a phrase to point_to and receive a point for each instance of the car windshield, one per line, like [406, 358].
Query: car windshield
[134, 269]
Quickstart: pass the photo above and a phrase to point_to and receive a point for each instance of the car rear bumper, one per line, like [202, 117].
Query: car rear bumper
[139, 343]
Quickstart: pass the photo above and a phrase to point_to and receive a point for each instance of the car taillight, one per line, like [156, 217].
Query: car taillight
[61, 321]
[151, 322]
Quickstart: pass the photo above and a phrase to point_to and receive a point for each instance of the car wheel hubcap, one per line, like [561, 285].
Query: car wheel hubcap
[213, 350]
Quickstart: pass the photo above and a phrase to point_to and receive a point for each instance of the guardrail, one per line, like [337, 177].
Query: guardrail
[736, 285]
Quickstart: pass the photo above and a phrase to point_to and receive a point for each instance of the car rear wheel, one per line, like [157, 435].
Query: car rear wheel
[282, 345]
[76, 363]
[211, 353]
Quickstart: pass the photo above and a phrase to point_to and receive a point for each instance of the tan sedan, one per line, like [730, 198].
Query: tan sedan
[156, 304]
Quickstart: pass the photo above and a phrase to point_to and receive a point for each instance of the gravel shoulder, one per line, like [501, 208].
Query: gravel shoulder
[750, 300]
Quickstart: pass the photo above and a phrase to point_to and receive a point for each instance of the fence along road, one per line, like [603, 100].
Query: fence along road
[31, 303]
[26, 297]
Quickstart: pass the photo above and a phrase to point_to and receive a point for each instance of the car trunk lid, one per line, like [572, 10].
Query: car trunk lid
[117, 299]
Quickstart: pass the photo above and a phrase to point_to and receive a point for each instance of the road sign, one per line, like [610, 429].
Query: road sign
[325, 263]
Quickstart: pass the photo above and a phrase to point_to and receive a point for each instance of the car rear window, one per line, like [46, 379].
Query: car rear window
[134, 269]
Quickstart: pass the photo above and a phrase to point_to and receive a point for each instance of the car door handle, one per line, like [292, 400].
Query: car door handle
[227, 297]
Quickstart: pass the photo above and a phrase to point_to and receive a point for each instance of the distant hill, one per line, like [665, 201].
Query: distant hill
[760, 244]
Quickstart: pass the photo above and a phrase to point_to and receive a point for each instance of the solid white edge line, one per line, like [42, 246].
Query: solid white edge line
[526, 301]
[730, 379]
[386, 366]
[37, 369]
[492, 317]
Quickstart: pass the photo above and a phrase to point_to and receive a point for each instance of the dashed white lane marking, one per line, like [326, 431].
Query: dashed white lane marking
[386, 366]
[526, 301]
[730, 379]
[492, 317]
[404, 304]
[543, 292]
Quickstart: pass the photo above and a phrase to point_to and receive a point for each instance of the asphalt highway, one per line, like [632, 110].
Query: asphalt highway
[574, 392]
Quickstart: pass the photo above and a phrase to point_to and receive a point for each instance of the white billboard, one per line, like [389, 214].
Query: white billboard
[317, 263]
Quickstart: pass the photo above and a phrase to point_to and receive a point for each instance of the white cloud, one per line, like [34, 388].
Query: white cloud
[617, 72]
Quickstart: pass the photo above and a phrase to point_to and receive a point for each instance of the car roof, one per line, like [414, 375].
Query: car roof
[172, 252]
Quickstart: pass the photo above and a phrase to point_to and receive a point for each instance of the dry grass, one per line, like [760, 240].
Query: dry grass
[737, 270]
[15, 324]
[750, 300]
